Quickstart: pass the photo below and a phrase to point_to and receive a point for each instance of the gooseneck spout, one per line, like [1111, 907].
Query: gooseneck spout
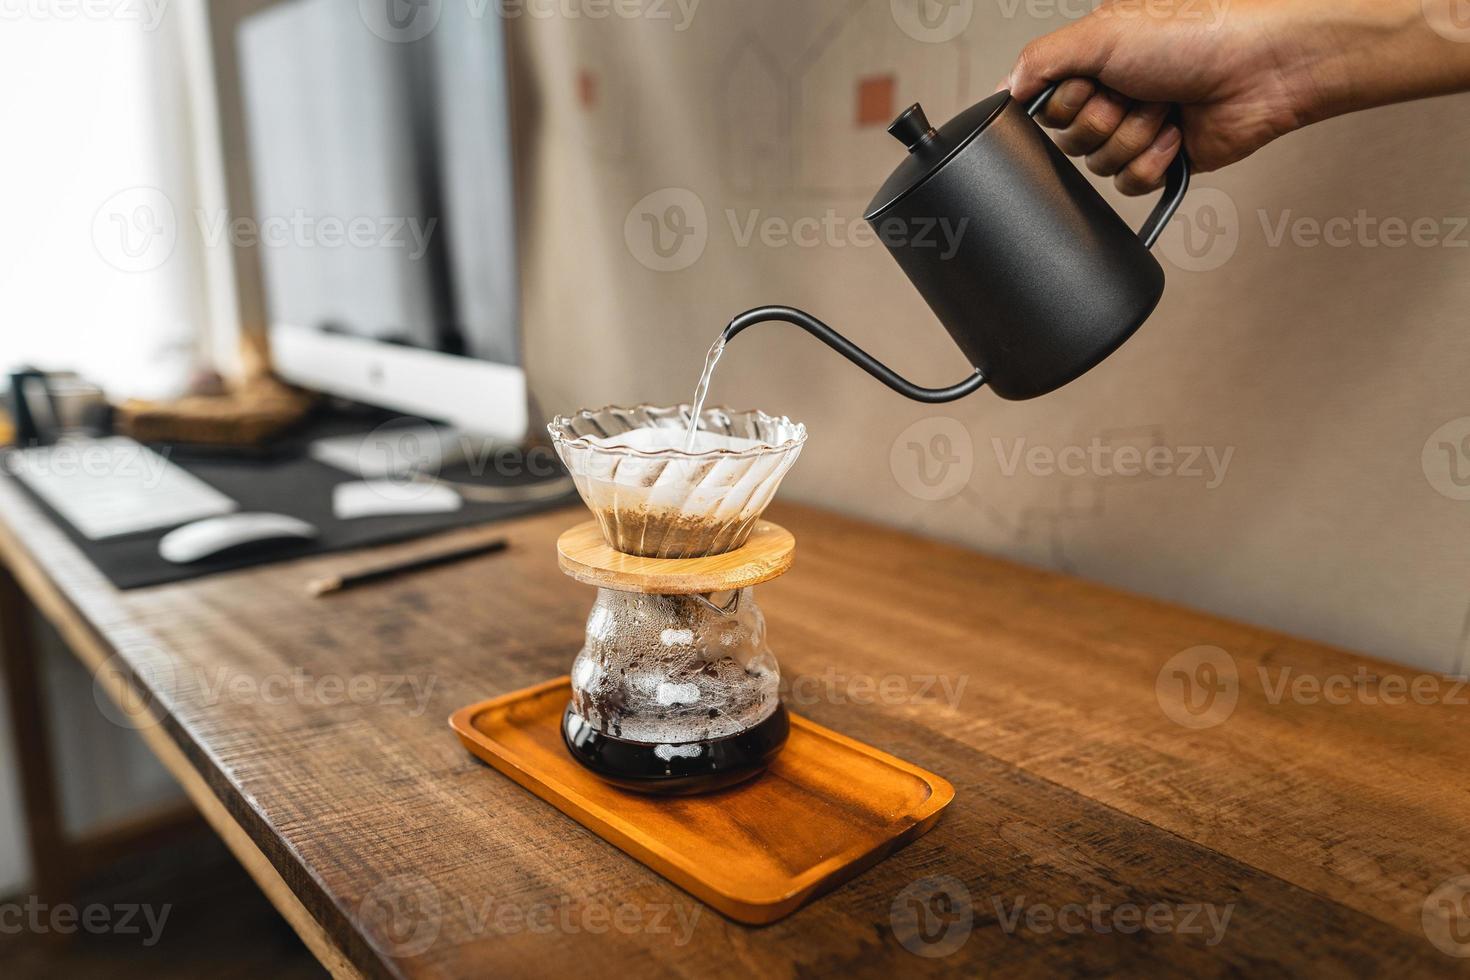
[854, 353]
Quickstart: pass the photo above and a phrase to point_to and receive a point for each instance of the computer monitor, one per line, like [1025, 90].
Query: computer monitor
[373, 171]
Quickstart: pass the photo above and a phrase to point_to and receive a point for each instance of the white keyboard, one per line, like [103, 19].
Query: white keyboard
[106, 488]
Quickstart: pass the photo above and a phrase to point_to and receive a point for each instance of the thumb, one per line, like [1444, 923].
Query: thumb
[1080, 49]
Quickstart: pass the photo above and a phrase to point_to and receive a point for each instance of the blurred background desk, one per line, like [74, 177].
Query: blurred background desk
[311, 735]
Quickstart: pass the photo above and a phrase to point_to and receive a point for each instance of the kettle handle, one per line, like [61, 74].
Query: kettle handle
[1176, 181]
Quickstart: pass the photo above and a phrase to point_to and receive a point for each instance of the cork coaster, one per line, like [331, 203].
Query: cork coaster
[587, 557]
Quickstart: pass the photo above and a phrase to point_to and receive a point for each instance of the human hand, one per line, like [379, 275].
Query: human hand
[1241, 73]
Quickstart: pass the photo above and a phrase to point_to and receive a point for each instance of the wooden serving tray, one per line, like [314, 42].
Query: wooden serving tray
[828, 807]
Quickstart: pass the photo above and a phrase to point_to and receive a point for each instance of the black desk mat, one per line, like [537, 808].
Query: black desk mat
[301, 487]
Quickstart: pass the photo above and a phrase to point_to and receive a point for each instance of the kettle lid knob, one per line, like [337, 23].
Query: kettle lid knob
[930, 149]
[912, 128]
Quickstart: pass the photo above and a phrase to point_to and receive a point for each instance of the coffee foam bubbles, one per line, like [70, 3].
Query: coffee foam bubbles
[661, 440]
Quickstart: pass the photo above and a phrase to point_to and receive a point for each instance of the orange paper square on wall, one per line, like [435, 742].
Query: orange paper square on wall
[875, 100]
[587, 89]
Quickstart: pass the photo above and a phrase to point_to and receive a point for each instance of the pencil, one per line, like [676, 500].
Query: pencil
[338, 583]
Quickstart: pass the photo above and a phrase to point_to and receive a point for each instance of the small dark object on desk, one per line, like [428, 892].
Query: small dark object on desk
[337, 583]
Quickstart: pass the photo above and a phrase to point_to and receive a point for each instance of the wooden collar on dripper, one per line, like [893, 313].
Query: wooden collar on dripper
[586, 556]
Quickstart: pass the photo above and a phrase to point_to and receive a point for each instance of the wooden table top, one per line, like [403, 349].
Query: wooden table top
[1091, 830]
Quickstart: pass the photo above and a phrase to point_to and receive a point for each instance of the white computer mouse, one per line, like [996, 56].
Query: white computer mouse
[213, 535]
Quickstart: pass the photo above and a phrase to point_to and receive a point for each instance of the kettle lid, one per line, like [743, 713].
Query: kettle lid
[929, 149]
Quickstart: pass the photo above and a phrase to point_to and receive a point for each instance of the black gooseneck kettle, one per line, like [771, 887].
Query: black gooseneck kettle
[1034, 275]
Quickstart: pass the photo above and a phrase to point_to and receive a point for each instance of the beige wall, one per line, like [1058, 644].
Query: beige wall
[1322, 370]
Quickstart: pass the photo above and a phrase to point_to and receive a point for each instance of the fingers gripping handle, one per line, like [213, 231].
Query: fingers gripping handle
[1176, 181]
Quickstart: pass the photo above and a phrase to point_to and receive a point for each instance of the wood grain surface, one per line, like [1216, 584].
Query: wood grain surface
[587, 557]
[1332, 831]
[826, 809]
